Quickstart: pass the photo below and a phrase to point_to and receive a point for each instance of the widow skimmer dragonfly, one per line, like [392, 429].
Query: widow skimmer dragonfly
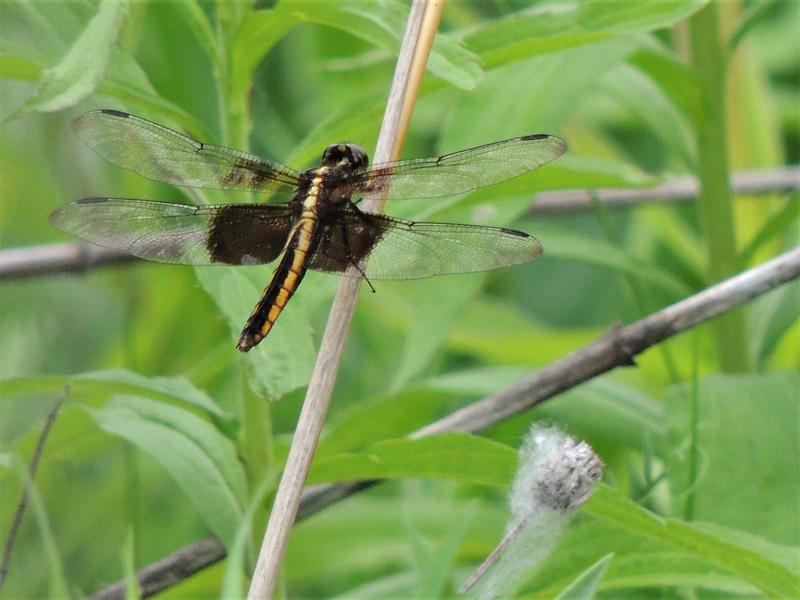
[321, 228]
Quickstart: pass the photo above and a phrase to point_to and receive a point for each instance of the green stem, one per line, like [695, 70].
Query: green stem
[715, 202]
[694, 432]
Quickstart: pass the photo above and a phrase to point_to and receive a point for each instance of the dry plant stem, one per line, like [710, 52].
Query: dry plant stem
[494, 556]
[23, 500]
[171, 570]
[320, 387]
[79, 257]
[419, 61]
[761, 181]
[617, 348]
[71, 257]
[620, 345]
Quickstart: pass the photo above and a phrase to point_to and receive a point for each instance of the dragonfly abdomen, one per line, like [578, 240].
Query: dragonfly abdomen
[285, 279]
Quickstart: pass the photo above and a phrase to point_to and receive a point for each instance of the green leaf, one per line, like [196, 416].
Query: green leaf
[396, 585]
[605, 255]
[756, 12]
[235, 562]
[379, 24]
[18, 68]
[434, 562]
[370, 537]
[641, 97]
[552, 27]
[382, 25]
[83, 67]
[638, 563]
[770, 230]
[772, 320]
[477, 382]
[198, 23]
[453, 456]
[37, 30]
[256, 36]
[200, 459]
[258, 33]
[767, 575]
[540, 95]
[116, 381]
[358, 119]
[750, 420]
[214, 444]
[127, 81]
[57, 580]
[284, 360]
[507, 341]
[676, 81]
[386, 417]
[432, 321]
[584, 587]
[124, 79]
[626, 407]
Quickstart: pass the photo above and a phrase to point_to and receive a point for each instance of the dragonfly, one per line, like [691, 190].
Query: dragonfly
[321, 228]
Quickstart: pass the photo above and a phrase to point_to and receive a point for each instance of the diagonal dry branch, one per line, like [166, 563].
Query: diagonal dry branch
[78, 257]
[617, 348]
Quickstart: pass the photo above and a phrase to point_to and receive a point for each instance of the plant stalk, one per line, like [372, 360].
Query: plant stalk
[715, 202]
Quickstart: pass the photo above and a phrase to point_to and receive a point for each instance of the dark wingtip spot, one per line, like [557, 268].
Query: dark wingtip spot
[91, 200]
[515, 232]
[536, 136]
[114, 113]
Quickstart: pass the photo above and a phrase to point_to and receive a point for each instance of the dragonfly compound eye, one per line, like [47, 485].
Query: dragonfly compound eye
[350, 156]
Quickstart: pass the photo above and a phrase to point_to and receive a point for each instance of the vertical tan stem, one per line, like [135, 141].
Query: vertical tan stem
[320, 387]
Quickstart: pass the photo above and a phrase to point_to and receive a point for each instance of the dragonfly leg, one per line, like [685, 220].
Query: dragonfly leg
[351, 258]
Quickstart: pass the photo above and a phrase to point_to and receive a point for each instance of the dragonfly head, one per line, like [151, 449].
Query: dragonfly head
[345, 156]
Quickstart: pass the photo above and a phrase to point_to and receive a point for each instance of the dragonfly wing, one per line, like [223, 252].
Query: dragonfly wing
[236, 234]
[165, 155]
[455, 173]
[401, 249]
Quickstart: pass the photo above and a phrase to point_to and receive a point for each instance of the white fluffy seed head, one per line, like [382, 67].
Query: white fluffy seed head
[554, 478]
[556, 472]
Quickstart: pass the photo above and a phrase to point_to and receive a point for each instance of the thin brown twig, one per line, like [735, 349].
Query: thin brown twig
[323, 377]
[760, 181]
[53, 259]
[22, 505]
[617, 348]
[79, 257]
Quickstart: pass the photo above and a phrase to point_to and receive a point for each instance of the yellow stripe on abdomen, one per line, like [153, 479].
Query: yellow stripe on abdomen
[289, 272]
[303, 234]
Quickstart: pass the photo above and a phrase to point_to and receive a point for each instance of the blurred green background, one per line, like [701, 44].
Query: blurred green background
[167, 431]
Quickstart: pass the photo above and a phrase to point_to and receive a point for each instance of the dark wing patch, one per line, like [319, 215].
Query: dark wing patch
[165, 155]
[454, 173]
[236, 234]
[400, 249]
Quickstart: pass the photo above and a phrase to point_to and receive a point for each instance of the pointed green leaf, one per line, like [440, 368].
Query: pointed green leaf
[453, 456]
[750, 565]
[584, 587]
[83, 67]
[200, 460]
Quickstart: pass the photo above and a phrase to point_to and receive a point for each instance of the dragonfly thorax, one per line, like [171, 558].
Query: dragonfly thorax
[345, 156]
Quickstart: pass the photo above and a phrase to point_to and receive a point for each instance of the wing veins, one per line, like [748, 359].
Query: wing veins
[160, 153]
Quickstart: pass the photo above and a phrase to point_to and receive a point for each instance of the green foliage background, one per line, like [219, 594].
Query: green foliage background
[166, 437]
